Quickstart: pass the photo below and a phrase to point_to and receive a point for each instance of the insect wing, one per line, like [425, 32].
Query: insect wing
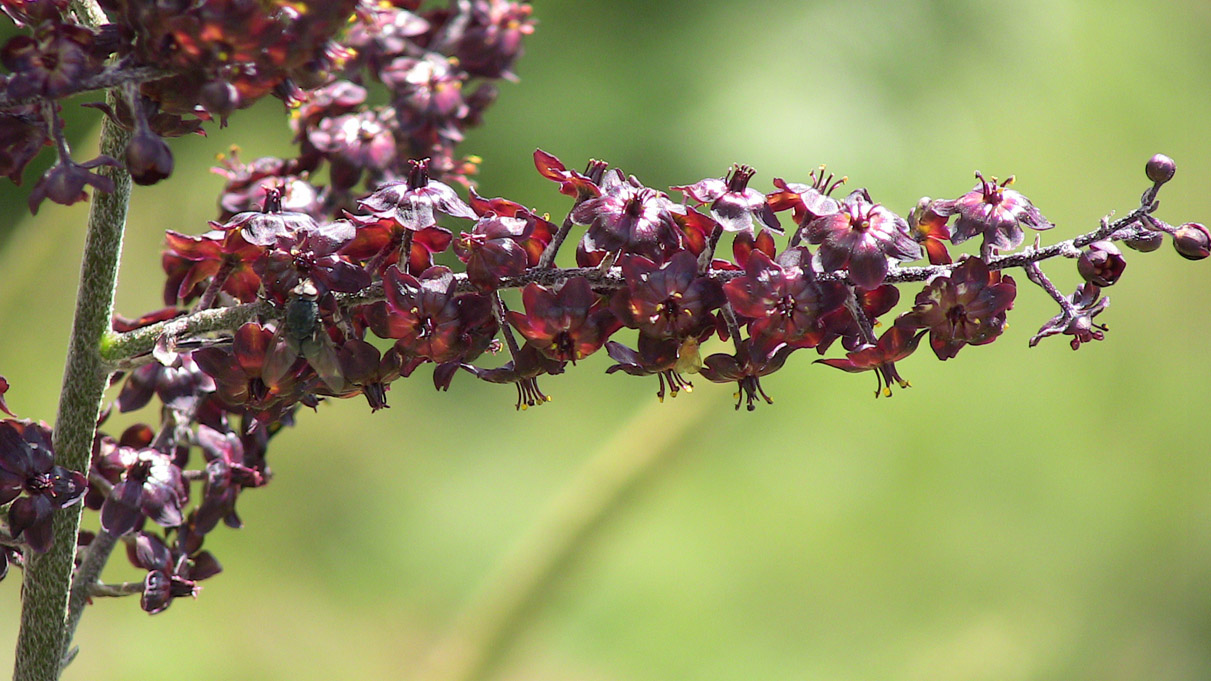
[320, 352]
[282, 355]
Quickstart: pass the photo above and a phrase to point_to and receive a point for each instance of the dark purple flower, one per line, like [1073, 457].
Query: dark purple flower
[369, 371]
[430, 320]
[744, 245]
[22, 135]
[522, 371]
[1076, 317]
[840, 323]
[631, 218]
[192, 261]
[733, 204]
[565, 325]
[501, 246]
[995, 211]
[241, 377]
[179, 385]
[171, 573]
[666, 301]
[490, 42]
[33, 483]
[3, 389]
[385, 29]
[428, 96]
[52, 62]
[265, 227]
[378, 240]
[579, 185]
[152, 488]
[806, 201]
[929, 229]
[751, 361]
[1101, 264]
[966, 307]
[226, 475]
[894, 345]
[355, 143]
[697, 230]
[784, 302]
[664, 357]
[311, 253]
[412, 203]
[334, 99]
[861, 236]
[247, 184]
[64, 182]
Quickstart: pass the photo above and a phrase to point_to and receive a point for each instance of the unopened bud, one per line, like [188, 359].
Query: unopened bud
[220, 98]
[1102, 264]
[1192, 241]
[1146, 242]
[148, 158]
[1160, 169]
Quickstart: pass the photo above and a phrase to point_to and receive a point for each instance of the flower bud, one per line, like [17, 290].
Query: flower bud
[1102, 264]
[1145, 242]
[148, 159]
[1192, 241]
[1160, 169]
[220, 98]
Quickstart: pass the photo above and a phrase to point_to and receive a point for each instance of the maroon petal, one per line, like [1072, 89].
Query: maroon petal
[31, 517]
[868, 267]
[120, 514]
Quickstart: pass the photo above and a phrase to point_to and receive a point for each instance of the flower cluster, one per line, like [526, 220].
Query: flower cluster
[345, 287]
[647, 262]
[438, 68]
[181, 65]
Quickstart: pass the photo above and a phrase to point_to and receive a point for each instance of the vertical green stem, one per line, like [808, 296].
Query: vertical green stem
[499, 612]
[41, 642]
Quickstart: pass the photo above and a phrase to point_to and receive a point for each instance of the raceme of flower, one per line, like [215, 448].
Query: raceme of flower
[302, 291]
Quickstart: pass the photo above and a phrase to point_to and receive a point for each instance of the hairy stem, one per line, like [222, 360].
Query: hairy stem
[855, 309]
[517, 586]
[94, 560]
[114, 76]
[42, 639]
[117, 590]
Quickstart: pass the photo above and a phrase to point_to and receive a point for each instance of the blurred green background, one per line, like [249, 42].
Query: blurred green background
[1018, 514]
